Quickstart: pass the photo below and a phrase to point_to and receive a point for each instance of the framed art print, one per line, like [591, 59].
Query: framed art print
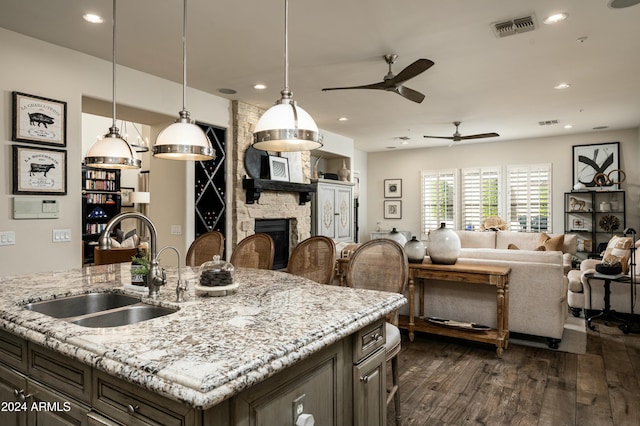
[597, 166]
[39, 120]
[392, 209]
[392, 188]
[39, 171]
[278, 168]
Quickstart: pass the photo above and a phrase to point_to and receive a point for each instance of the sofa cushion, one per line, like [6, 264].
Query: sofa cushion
[506, 255]
[474, 239]
[551, 243]
[523, 240]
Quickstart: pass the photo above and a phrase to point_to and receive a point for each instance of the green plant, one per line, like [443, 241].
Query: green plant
[140, 264]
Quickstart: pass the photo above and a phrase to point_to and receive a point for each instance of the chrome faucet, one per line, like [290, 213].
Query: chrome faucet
[155, 279]
[181, 287]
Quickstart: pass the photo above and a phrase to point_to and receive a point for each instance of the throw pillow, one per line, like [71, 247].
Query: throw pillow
[551, 243]
[541, 248]
[513, 247]
[620, 248]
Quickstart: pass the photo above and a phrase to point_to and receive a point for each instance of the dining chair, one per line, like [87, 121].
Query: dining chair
[114, 255]
[382, 265]
[255, 251]
[203, 248]
[315, 259]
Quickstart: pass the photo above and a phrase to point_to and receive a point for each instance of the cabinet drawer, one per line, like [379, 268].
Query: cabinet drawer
[131, 405]
[369, 391]
[368, 340]
[48, 407]
[63, 374]
[13, 351]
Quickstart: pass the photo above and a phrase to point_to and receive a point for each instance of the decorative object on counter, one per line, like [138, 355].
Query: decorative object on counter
[415, 250]
[216, 273]
[594, 159]
[443, 245]
[140, 268]
[112, 151]
[392, 188]
[392, 209]
[397, 237]
[609, 223]
[344, 173]
[285, 126]
[184, 139]
[494, 223]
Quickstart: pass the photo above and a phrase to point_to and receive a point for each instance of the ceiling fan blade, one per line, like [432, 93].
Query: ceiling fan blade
[410, 94]
[440, 137]
[480, 136]
[380, 86]
[418, 67]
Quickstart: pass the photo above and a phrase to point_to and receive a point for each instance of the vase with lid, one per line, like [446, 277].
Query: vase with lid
[443, 246]
[415, 250]
[397, 237]
[344, 173]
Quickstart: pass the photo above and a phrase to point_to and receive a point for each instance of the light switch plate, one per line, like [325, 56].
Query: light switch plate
[61, 235]
[7, 238]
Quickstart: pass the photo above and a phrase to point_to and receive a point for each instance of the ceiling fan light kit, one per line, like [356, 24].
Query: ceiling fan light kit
[286, 127]
[183, 140]
[112, 151]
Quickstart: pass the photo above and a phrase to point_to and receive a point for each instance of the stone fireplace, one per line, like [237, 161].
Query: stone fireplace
[271, 204]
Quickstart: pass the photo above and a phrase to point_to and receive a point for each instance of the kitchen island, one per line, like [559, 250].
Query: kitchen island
[240, 359]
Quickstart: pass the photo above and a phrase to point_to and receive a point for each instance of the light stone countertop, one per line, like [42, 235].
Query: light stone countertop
[213, 347]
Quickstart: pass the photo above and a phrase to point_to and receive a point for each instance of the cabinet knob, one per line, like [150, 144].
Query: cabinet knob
[19, 393]
[132, 409]
[364, 379]
[376, 336]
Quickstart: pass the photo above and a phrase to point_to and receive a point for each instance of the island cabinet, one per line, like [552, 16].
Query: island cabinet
[342, 384]
[332, 210]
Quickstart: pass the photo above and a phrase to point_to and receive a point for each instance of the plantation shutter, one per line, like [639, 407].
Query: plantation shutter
[438, 199]
[529, 197]
[480, 196]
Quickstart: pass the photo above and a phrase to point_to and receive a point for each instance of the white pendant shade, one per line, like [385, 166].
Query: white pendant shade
[183, 140]
[286, 127]
[112, 152]
[140, 197]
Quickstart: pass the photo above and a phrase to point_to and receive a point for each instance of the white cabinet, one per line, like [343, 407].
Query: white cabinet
[332, 209]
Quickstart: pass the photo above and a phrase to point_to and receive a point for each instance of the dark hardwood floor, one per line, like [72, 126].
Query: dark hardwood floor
[453, 382]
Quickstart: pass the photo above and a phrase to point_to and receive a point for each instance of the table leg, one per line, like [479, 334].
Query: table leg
[411, 314]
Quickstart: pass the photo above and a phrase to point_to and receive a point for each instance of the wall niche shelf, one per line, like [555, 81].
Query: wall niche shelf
[255, 187]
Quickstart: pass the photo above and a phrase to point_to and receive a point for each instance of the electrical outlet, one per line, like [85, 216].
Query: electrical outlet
[7, 238]
[176, 229]
[298, 407]
[61, 235]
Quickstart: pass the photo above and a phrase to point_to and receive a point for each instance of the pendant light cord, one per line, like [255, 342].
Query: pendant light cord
[286, 91]
[113, 35]
[184, 57]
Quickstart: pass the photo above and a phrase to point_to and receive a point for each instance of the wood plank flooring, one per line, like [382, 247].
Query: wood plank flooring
[446, 381]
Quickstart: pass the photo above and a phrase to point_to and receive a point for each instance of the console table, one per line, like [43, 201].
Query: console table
[497, 276]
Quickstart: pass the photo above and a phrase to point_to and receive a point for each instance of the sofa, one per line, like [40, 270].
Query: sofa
[537, 283]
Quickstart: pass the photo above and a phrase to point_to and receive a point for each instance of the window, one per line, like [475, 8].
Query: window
[438, 199]
[479, 195]
[520, 194]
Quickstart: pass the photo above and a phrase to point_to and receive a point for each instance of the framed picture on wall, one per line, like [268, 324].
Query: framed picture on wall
[39, 171]
[392, 188]
[39, 120]
[597, 166]
[279, 168]
[392, 209]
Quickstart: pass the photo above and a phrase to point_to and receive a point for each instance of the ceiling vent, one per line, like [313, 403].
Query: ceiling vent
[514, 26]
[548, 122]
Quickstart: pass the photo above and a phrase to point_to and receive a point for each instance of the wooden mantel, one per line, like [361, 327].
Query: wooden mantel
[255, 186]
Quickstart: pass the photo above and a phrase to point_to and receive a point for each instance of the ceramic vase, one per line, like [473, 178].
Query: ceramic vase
[443, 245]
[415, 250]
[397, 237]
[344, 173]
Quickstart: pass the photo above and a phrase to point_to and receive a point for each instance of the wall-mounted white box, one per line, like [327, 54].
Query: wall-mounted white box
[35, 208]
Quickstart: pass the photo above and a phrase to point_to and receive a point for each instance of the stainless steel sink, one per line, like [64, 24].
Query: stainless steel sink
[83, 304]
[124, 316]
[99, 310]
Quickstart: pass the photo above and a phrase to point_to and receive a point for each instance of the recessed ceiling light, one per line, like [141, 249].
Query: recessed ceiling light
[404, 143]
[260, 86]
[391, 147]
[555, 18]
[343, 119]
[227, 91]
[568, 126]
[562, 86]
[94, 19]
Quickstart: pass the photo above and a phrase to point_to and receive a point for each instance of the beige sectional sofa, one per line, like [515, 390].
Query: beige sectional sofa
[537, 286]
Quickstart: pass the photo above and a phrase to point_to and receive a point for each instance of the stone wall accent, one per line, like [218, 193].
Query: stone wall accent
[272, 205]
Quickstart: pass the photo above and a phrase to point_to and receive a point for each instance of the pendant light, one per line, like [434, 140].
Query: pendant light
[285, 126]
[112, 151]
[183, 140]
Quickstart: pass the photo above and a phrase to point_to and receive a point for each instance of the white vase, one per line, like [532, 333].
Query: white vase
[397, 237]
[415, 250]
[344, 173]
[443, 245]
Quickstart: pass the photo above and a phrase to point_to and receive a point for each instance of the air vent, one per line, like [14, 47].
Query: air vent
[548, 122]
[514, 26]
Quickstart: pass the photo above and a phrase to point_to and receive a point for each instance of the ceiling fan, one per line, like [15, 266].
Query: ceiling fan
[393, 83]
[458, 137]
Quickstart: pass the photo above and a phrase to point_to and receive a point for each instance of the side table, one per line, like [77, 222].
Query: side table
[607, 313]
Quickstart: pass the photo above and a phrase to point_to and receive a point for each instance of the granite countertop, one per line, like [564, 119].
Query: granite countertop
[212, 347]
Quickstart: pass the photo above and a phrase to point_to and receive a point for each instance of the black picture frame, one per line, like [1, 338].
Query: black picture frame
[597, 166]
[393, 188]
[39, 120]
[39, 171]
[392, 209]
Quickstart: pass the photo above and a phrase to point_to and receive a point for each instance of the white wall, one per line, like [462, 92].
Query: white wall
[407, 164]
[42, 69]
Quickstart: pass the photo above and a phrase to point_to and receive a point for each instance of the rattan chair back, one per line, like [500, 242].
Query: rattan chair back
[203, 248]
[315, 259]
[255, 251]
